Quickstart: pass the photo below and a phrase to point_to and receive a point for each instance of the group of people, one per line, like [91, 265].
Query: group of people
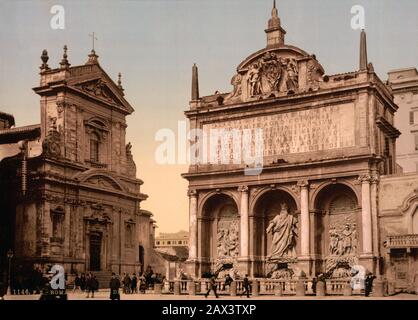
[88, 284]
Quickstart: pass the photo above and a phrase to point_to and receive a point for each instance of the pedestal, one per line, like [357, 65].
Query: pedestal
[244, 266]
[321, 289]
[256, 288]
[192, 267]
[192, 288]
[305, 265]
[300, 288]
[233, 289]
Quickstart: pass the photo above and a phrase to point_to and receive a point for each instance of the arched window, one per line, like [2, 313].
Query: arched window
[94, 147]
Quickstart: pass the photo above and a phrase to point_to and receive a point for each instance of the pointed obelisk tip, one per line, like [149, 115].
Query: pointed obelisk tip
[195, 83]
[363, 51]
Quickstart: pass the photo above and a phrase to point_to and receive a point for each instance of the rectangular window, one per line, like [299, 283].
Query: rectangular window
[94, 150]
[413, 117]
[416, 141]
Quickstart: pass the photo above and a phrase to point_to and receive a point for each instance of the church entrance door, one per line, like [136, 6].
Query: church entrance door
[95, 251]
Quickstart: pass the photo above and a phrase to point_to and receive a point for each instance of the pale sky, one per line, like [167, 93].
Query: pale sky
[155, 43]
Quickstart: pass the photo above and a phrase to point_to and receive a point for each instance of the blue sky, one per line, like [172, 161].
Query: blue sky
[154, 44]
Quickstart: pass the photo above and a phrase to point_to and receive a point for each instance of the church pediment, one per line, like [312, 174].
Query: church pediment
[274, 72]
[104, 183]
[99, 179]
[101, 89]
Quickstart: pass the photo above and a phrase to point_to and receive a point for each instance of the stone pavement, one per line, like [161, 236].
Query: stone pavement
[104, 295]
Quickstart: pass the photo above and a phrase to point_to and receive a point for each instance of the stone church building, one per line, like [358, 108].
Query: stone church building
[317, 205]
[70, 194]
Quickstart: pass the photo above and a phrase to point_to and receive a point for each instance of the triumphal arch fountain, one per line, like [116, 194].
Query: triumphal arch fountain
[312, 208]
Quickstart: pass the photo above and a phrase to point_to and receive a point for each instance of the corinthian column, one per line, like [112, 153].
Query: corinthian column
[192, 224]
[244, 221]
[366, 216]
[305, 219]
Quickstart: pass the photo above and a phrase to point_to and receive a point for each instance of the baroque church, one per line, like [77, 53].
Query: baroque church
[326, 199]
[70, 192]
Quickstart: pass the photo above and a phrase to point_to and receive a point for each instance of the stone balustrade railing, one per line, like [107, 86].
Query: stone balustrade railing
[402, 241]
[260, 286]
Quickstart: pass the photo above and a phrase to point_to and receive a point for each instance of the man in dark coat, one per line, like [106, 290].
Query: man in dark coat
[114, 286]
[134, 284]
[368, 284]
[212, 286]
[91, 285]
[127, 284]
[246, 285]
[228, 281]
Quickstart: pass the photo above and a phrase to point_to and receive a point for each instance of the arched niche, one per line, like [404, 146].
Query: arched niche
[219, 231]
[337, 229]
[266, 208]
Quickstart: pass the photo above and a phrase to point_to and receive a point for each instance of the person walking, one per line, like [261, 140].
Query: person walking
[246, 285]
[212, 286]
[134, 284]
[91, 285]
[114, 286]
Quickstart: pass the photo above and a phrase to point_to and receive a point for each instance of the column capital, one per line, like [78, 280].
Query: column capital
[303, 183]
[375, 178]
[364, 178]
[243, 188]
[191, 193]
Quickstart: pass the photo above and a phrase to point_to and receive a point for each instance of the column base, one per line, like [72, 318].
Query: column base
[192, 267]
[244, 266]
[305, 266]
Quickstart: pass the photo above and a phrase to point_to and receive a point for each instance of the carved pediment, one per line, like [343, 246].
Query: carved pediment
[104, 182]
[275, 72]
[99, 89]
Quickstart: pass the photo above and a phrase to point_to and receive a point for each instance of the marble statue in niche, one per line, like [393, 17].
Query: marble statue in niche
[343, 241]
[342, 248]
[284, 232]
[228, 240]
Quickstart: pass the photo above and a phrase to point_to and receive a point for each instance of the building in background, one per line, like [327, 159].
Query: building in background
[171, 253]
[177, 239]
[69, 185]
[404, 84]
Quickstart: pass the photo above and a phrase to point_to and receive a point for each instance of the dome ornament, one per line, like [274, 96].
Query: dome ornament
[120, 81]
[64, 62]
[44, 58]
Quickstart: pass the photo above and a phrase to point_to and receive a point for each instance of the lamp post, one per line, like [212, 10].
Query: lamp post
[9, 257]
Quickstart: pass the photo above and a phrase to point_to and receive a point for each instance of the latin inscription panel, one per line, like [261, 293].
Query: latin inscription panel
[303, 131]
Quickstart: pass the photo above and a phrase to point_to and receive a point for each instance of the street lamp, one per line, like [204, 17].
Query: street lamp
[9, 257]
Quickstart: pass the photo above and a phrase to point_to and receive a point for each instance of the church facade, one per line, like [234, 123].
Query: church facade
[71, 189]
[328, 142]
